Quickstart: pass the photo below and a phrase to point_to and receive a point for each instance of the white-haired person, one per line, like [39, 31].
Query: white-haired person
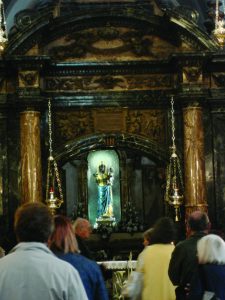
[211, 270]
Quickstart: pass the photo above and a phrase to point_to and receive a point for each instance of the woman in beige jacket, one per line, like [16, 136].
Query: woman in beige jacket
[155, 262]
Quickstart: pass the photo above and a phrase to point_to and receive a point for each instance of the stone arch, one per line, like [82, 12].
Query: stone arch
[42, 26]
[118, 141]
[149, 204]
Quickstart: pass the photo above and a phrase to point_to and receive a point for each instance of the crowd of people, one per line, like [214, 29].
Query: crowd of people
[52, 261]
[193, 269]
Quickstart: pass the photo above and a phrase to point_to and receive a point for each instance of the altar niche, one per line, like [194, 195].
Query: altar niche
[103, 176]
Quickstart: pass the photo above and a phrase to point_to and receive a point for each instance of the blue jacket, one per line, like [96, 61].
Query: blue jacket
[90, 275]
[210, 277]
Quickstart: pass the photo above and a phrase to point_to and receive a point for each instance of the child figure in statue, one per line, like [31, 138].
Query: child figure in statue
[104, 179]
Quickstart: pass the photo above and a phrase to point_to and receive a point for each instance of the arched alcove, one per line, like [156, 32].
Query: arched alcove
[140, 176]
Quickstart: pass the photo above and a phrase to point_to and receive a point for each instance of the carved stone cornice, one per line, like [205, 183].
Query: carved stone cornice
[26, 101]
[193, 98]
[26, 62]
[109, 67]
[191, 58]
[143, 99]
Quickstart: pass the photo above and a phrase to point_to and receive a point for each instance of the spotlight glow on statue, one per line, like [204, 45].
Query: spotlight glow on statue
[104, 179]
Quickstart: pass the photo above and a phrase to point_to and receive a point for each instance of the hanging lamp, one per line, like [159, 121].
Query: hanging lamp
[219, 31]
[53, 182]
[3, 30]
[174, 179]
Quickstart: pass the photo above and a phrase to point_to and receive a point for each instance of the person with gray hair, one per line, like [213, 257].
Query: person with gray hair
[83, 229]
[211, 271]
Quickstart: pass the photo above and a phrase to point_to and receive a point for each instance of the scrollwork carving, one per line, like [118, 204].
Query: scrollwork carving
[70, 125]
[104, 41]
[149, 123]
[134, 122]
[24, 18]
[28, 79]
[108, 82]
[192, 74]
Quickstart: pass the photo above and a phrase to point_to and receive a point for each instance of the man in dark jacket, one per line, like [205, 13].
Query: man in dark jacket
[184, 262]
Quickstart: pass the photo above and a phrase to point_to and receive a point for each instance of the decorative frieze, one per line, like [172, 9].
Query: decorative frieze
[73, 124]
[108, 82]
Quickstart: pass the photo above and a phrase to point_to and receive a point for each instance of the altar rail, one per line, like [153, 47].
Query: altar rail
[121, 271]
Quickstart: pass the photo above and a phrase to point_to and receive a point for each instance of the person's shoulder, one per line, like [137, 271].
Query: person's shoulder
[92, 265]
[88, 261]
[62, 264]
[182, 243]
[83, 259]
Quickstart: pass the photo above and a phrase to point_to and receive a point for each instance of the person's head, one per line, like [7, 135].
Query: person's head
[82, 228]
[147, 237]
[63, 238]
[197, 221]
[33, 223]
[164, 231]
[102, 168]
[2, 252]
[211, 249]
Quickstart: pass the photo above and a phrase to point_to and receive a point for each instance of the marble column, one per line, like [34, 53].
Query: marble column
[30, 156]
[194, 160]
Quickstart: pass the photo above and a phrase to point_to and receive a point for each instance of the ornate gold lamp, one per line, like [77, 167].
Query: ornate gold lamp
[53, 183]
[219, 31]
[3, 31]
[174, 178]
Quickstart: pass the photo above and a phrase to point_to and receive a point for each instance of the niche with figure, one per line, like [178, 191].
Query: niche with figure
[130, 186]
[103, 181]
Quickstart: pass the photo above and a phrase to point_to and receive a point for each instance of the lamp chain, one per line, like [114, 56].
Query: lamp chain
[50, 127]
[51, 159]
[172, 124]
[174, 179]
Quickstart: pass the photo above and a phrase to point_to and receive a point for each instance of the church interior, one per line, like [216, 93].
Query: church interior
[134, 89]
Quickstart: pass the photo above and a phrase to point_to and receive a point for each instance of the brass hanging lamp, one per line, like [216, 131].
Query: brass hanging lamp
[174, 179]
[3, 30]
[53, 182]
[219, 31]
